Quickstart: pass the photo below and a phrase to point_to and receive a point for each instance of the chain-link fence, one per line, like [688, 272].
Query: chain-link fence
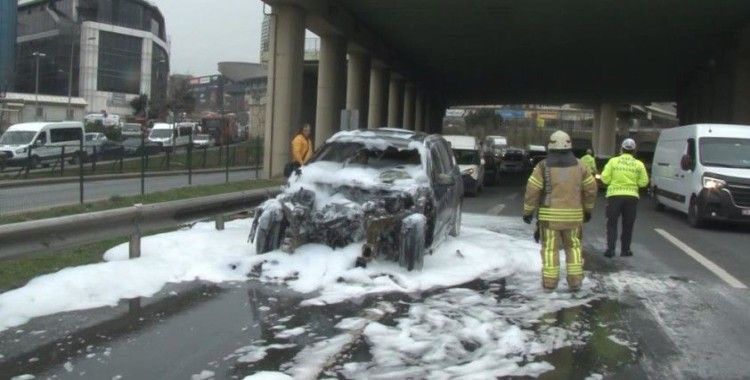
[47, 175]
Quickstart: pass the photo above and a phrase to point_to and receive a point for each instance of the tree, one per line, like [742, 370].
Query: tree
[180, 97]
[483, 122]
[139, 104]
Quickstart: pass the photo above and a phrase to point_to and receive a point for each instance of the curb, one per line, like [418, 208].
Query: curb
[107, 177]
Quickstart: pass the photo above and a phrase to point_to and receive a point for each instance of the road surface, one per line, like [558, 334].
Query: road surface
[660, 314]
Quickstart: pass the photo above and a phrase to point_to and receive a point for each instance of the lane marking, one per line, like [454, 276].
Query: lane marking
[497, 209]
[708, 264]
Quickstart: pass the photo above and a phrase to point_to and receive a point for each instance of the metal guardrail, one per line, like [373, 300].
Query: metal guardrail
[39, 236]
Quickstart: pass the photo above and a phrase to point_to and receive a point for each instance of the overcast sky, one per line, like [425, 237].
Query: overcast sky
[205, 32]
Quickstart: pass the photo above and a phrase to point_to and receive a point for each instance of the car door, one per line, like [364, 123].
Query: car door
[440, 192]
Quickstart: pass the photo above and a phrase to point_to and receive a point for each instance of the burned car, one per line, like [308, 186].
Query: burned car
[398, 191]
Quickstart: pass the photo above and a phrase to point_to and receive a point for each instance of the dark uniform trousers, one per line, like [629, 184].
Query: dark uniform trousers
[625, 206]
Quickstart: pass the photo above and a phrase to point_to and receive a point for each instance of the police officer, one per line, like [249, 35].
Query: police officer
[590, 162]
[563, 191]
[624, 176]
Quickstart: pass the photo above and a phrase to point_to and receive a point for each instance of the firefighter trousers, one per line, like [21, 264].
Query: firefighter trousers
[552, 241]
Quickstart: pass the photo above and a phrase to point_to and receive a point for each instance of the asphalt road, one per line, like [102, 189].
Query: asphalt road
[684, 319]
[38, 197]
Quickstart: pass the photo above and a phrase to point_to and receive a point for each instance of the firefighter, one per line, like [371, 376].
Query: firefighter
[624, 175]
[563, 193]
[590, 162]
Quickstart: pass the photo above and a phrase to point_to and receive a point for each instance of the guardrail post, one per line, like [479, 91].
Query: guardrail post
[134, 248]
[81, 154]
[226, 169]
[220, 222]
[62, 161]
[93, 160]
[28, 161]
[190, 159]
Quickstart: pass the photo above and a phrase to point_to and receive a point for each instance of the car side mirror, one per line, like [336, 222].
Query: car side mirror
[445, 180]
[686, 163]
[38, 143]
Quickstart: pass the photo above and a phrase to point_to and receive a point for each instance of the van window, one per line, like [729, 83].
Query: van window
[65, 134]
[185, 131]
[42, 138]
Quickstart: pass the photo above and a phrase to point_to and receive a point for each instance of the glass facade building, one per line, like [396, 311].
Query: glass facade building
[7, 43]
[107, 64]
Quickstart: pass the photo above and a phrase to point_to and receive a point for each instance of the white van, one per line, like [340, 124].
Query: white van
[468, 155]
[172, 136]
[44, 140]
[703, 170]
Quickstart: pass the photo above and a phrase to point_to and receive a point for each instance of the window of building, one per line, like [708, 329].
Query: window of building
[119, 63]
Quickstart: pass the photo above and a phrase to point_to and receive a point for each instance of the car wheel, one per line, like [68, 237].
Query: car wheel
[412, 239]
[658, 206]
[694, 217]
[270, 231]
[456, 228]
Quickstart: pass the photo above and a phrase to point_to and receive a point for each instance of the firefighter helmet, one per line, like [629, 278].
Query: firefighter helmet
[559, 141]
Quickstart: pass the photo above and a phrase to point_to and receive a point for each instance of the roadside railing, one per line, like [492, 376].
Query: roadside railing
[33, 237]
[43, 165]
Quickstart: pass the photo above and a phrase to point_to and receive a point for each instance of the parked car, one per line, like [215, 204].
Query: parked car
[535, 154]
[492, 148]
[704, 171]
[512, 160]
[132, 147]
[203, 140]
[468, 154]
[399, 192]
[131, 130]
[41, 142]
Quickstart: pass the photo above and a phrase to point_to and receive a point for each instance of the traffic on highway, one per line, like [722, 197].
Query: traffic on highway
[367, 267]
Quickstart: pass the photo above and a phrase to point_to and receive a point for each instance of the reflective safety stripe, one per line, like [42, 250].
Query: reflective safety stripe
[536, 183]
[527, 209]
[588, 180]
[560, 215]
[550, 270]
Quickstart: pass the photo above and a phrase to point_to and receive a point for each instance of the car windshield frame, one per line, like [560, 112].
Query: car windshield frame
[722, 154]
[353, 153]
[17, 137]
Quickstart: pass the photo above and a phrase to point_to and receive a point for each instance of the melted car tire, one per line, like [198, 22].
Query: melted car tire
[411, 247]
[268, 238]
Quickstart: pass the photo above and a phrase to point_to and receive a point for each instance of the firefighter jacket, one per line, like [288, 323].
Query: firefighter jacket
[590, 162]
[561, 188]
[624, 175]
[301, 149]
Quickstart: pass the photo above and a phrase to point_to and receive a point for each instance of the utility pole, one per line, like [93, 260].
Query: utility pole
[37, 55]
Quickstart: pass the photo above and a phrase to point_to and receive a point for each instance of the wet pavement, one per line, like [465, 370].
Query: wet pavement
[638, 319]
[189, 329]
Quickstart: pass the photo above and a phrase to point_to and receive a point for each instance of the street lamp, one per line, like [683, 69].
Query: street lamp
[37, 55]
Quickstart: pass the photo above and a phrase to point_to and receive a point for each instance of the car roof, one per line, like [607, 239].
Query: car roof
[38, 126]
[396, 137]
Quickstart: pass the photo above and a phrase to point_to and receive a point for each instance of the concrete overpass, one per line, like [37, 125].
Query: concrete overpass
[409, 59]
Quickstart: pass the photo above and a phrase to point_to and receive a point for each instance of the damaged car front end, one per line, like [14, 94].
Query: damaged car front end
[356, 191]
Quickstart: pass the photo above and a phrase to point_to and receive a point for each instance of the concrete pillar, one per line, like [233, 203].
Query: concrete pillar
[419, 111]
[741, 93]
[376, 110]
[394, 102]
[408, 115]
[357, 84]
[285, 72]
[606, 144]
[331, 87]
[428, 113]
